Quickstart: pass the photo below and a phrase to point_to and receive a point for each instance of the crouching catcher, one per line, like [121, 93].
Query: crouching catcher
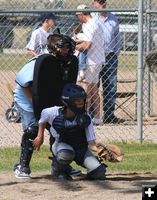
[74, 135]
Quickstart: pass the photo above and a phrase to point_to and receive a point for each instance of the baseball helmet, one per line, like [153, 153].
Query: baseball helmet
[12, 114]
[70, 92]
[55, 41]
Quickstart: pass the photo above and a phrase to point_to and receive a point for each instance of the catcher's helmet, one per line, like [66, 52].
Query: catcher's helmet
[70, 92]
[55, 41]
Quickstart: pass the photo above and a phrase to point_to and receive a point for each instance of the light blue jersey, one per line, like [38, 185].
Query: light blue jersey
[23, 79]
[110, 27]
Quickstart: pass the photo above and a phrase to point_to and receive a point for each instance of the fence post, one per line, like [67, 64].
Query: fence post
[140, 74]
[147, 78]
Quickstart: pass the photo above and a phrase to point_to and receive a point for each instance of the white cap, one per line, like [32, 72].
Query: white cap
[81, 7]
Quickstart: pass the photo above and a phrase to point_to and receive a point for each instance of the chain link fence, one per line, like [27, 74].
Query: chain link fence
[62, 4]
[15, 32]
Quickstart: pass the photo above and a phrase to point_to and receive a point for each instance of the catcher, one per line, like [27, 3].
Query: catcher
[72, 128]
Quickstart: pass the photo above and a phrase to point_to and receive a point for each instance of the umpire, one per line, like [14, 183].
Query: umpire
[36, 89]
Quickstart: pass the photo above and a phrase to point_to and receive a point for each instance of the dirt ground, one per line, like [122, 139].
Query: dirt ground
[41, 186]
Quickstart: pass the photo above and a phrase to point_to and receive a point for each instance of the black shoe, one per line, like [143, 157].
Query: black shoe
[64, 176]
[57, 175]
[61, 176]
[74, 172]
[113, 120]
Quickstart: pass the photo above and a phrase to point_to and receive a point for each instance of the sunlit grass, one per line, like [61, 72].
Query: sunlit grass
[137, 158]
[16, 61]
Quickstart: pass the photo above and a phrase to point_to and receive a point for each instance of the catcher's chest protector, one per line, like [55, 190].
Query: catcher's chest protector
[50, 75]
[75, 138]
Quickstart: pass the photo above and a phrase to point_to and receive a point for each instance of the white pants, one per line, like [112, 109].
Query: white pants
[90, 74]
[90, 162]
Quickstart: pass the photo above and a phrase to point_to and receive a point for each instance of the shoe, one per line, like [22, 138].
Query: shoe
[61, 176]
[57, 175]
[75, 172]
[97, 121]
[64, 176]
[21, 173]
[72, 171]
[113, 120]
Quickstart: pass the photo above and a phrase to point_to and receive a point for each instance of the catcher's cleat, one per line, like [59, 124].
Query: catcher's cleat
[74, 172]
[21, 173]
[60, 176]
[64, 177]
[71, 171]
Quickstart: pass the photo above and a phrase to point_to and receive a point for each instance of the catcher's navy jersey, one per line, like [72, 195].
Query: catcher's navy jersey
[49, 114]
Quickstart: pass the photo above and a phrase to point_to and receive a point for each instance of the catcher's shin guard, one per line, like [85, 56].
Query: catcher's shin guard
[55, 170]
[98, 173]
[62, 160]
[59, 171]
[26, 145]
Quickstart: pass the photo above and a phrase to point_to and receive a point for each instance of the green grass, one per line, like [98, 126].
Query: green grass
[12, 61]
[127, 62]
[137, 158]
[16, 61]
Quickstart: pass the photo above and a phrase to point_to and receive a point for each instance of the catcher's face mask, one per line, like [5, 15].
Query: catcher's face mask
[79, 103]
[60, 45]
[74, 98]
[64, 50]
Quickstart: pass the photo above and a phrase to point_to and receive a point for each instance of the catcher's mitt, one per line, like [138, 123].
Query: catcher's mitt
[110, 152]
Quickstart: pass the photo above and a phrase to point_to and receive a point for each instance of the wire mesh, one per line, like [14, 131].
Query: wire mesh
[15, 32]
[59, 4]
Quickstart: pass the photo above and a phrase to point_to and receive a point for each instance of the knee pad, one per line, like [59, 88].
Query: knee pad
[31, 132]
[29, 135]
[65, 156]
[98, 173]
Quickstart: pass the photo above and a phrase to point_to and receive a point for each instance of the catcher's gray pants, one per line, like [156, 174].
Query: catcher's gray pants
[90, 161]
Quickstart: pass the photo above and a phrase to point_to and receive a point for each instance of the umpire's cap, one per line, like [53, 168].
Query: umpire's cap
[45, 16]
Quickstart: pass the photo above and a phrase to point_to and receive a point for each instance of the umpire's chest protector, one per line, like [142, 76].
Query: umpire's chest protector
[50, 76]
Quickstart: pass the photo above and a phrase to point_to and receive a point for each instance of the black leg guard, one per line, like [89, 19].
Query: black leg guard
[26, 146]
[56, 167]
[98, 173]
[61, 162]
[59, 171]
